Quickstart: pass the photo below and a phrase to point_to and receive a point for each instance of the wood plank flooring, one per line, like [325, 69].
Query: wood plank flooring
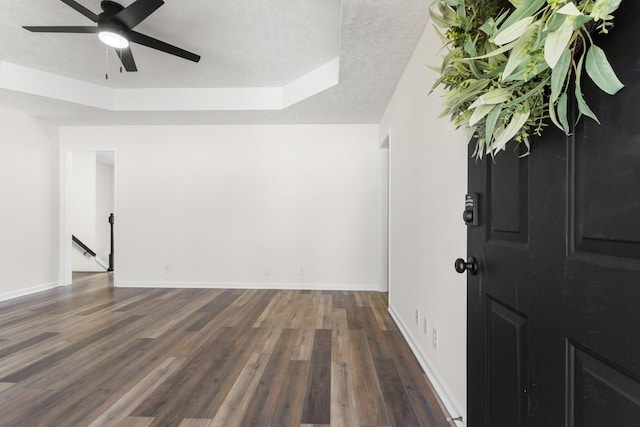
[93, 355]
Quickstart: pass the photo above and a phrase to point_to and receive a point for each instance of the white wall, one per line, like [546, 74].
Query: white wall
[29, 213]
[428, 178]
[265, 206]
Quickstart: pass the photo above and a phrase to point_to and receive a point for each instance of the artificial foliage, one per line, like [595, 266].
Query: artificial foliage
[512, 65]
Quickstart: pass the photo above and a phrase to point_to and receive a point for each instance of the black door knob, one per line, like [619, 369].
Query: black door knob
[469, 265]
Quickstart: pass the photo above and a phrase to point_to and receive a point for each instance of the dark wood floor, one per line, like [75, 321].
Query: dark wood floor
[94, 355]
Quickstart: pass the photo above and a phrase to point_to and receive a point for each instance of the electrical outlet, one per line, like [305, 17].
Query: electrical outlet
[435, 338]
[167, 270]
[425, 326]
[302, 271]
[267, 271]
[417, 317]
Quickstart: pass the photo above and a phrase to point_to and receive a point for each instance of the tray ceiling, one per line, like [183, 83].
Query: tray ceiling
[245, 45]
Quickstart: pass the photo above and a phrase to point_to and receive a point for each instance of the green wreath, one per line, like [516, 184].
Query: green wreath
[509, 65]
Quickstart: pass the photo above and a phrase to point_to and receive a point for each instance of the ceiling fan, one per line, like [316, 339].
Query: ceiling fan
[115, 28]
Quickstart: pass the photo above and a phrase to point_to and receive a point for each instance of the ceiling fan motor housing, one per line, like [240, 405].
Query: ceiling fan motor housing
[109, 9]
[106, 21]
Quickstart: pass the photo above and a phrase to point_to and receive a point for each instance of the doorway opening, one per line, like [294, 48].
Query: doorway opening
[87, 213]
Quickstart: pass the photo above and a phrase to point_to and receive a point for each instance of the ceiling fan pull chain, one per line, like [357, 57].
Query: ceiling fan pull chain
[106, 63]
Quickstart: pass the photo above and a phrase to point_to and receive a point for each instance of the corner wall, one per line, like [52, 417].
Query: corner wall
[242, 206]
[428, 181]
[29, 195]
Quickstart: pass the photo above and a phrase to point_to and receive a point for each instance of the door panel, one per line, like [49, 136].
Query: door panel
[508, 404]
[507, 182]
[599, 394]
[605, 171]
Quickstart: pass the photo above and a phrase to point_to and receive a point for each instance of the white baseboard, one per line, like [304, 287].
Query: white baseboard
[452, 406]
[251, 285]
[28, 291]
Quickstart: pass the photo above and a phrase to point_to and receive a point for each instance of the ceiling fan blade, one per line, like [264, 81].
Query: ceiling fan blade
[80, 8]
[60, 29]
[136, 37]
[136, 12]
[126, 57]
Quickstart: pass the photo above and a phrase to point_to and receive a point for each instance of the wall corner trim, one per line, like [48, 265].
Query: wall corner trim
[450, 404]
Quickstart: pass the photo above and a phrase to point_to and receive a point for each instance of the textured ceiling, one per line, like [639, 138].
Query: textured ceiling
[249, 43]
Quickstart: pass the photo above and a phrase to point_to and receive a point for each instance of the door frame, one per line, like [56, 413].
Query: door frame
[384, 213]
[64, 210]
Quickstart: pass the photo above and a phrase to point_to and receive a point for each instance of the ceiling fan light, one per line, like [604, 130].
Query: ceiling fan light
[113, 39]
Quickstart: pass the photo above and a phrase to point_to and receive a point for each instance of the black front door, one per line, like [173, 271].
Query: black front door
[554, 309]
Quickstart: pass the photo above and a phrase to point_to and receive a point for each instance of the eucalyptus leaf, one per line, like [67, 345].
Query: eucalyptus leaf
[524, 74]
[470, 47]
[462, 12]
[448, 14]
[479, 113]
[488, 27]
[517, 121]
[513, 32]
[555, 22]
[473, 66]
[501, 17]
[527, 8]
[583, 108]
[456, 98]
[562, 112]
[553, 116]
[557, 41]
[559, 75]
[469, 133]
[497, 133]
[442, 37]
[569, 9]
[541, 37]
[438, 19]
[603, 9]
[600, 71]
[579, 21]
[495, 72]
[520, 52]
[492, 119]
[528, 94]
[493, 97]
[498, 51]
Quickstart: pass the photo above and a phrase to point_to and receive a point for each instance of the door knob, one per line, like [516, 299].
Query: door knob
[469, 265]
